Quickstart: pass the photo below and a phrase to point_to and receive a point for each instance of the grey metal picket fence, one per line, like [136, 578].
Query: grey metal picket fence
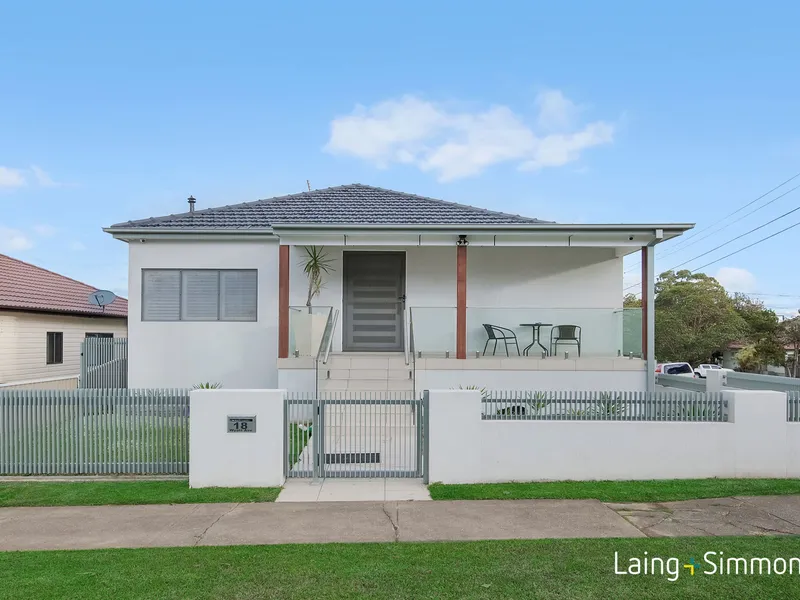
[793, 406]
[604, 406]
[110, 431]
[104, 363]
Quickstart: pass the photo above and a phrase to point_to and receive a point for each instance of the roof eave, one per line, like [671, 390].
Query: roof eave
[504, 227]
[127, 233]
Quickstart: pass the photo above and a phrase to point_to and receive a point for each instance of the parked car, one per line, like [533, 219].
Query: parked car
[680, 368]
[701, 370]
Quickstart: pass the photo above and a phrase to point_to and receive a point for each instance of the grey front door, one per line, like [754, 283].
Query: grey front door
[374, 296]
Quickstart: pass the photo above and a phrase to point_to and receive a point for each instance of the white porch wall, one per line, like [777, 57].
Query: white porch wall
[430, 282]
[568, 286]
[505, 286]
[181, 354]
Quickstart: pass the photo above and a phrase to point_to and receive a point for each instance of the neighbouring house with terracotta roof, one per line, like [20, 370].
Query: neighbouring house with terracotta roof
[44, 317]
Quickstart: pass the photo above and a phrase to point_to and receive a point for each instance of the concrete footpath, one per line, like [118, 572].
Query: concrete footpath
[314, 522]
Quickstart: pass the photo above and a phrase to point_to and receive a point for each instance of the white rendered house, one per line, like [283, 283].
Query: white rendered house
[219, 295]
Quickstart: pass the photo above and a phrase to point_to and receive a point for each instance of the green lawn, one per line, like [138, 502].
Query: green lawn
[545, 569]
[618, 491]
[124, 492]
[298, 439]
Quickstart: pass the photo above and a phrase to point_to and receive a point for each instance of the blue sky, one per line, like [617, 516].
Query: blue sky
[587, 112]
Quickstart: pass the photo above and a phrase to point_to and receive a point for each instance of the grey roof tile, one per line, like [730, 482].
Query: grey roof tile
[346, 204]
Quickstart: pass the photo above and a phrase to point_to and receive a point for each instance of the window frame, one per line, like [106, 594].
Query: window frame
[181, 318]
[56, 348]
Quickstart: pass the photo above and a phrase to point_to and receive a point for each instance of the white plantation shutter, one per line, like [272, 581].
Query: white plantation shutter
[200, 295]
[238, 295]
[161, 293]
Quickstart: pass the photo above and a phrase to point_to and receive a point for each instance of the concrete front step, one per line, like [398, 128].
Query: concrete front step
[340, 362]
[366, 385]
[387, 374]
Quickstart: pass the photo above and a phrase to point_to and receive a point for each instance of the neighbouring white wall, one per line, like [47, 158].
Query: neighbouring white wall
[183, 353]
[23, 344]
[221, 459]
[599, 381]
[756, 442]
[430, 283]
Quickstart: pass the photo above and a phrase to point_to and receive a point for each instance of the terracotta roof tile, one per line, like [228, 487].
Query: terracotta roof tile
[25, 286]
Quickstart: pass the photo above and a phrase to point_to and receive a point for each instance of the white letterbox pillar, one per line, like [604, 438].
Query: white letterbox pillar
[236, 438]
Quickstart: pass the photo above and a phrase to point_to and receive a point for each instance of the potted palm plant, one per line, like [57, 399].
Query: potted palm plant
[309, 327]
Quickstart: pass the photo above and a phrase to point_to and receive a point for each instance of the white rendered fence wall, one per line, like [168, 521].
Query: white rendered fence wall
[756, 441]
[219, 458]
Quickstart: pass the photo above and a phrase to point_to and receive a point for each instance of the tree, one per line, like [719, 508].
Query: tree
[763, 334]
[790, 337]
[631, 301]
[316, 264]
[694, 316]
[747, 359]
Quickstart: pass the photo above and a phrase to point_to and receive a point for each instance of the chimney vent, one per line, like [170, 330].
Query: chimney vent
[191, 204]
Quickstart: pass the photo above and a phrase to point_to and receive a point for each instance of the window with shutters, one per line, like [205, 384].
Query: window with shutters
[199, 295]
[55, 347]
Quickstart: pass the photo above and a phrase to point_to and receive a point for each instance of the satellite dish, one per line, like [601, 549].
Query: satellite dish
[101, 298]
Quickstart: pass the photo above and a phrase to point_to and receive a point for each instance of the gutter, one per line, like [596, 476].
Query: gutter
[478, 227]
[344, 227]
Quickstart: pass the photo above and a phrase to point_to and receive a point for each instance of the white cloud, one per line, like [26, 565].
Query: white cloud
[735, 279]
[45, 230]
[455, 144]
[11, 178]
[42, 178]
[77, 246]
[556, 111]
[12, 240]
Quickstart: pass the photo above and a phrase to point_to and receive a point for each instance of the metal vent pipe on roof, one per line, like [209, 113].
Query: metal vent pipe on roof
[191, 201]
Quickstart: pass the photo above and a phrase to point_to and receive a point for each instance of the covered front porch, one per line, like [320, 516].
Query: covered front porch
[547, 293]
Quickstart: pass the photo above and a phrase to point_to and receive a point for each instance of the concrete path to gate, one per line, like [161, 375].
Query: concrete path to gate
[81, 527]
[349, 490]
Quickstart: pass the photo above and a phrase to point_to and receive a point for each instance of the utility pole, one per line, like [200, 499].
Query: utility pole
[308, 183]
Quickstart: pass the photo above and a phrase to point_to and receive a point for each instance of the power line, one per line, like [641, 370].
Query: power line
[764, 239]
[786, 214]
[732, 222]
[771, 295]
[741, 208]
[746, 247]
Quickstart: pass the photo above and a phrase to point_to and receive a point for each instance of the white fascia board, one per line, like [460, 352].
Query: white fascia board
[466, 228]
[128, 235]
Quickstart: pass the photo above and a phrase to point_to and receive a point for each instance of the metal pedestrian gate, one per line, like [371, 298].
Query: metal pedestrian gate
[379, 434]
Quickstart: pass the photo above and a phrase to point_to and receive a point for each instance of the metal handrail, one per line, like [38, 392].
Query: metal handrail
[406, 334]
[330, 339]
[413, 351]
[327, 333]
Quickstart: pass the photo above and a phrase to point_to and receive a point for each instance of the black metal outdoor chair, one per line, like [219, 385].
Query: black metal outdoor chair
[565, 334]
[496, 334]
